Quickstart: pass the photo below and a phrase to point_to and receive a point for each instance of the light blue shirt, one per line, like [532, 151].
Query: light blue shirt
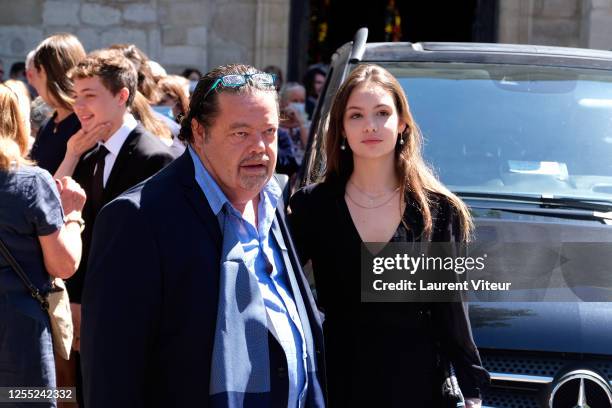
[264, 259]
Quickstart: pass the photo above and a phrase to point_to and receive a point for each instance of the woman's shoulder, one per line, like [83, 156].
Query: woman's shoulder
[28, 187]
[437, 203]
[45, 131]
[35, 181]
[314, 194]
[313, 204]
[35, 173]
[26, 174]
[313, 189]
[440, 202]
[446, 217]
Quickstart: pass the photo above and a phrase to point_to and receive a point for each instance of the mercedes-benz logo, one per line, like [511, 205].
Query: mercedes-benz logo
[581, 389]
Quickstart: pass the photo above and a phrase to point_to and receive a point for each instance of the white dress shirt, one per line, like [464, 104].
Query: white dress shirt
[115, 142]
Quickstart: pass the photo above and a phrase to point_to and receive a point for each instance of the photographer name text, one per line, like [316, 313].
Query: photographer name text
[406, 285]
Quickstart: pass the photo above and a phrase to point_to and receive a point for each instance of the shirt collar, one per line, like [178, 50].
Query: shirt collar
[115, 142]
[272, 193]
[215, 196]
[269, 196]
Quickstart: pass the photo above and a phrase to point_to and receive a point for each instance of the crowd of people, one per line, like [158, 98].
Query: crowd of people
[154, 197]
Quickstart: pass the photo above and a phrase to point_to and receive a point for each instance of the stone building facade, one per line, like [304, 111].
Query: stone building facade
[176, 33]
[567, 23]
[207, 33]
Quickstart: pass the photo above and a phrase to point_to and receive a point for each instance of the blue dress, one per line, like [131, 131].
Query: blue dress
[30, 206]
[50, 145]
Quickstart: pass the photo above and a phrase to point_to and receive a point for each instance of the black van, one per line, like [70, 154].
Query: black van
[523, 134]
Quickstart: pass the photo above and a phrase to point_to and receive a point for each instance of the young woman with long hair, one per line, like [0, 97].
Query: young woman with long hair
[377, 188]
[53, 58]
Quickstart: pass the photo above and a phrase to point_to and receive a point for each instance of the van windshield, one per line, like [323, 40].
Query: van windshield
[512, 128]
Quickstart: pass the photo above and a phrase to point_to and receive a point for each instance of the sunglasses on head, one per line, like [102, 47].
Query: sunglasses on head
[237, 80]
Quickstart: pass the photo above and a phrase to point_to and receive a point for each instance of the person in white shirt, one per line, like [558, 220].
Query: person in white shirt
[124, 153]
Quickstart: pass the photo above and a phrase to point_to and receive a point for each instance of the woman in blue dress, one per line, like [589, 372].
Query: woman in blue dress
[40, 224]
[53, 58]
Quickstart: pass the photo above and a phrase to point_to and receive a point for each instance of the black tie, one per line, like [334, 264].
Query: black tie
[97, 186]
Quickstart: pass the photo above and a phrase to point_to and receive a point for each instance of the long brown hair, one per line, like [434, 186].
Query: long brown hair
[144, 114]
[146, 82]
[174, 86]
[57, 55]
[14, 136]
[23, 97]
[415, 175]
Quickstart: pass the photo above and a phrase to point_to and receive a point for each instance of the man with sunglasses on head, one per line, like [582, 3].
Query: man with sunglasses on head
[194, 283]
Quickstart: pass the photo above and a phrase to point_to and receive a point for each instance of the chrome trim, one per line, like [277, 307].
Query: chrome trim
[581, 374]
[534, 379]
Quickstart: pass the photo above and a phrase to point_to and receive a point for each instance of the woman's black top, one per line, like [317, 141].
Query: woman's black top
[49, 147]
[380, 354]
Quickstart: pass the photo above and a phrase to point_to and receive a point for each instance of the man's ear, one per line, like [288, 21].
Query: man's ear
[124, 95]
[198, 131]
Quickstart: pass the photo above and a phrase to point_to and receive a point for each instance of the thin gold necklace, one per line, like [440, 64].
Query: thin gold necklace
[372, 207]
[371, 198]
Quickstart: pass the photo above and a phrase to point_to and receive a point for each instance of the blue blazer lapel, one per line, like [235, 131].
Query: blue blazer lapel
[298, 294]
[309, 314]
[280, 241]
[281, 234]
[196, 198]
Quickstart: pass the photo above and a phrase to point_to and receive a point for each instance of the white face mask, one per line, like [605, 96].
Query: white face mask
[192, 86]
[300, 108]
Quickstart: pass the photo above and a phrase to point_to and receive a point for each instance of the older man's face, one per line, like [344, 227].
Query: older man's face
[239, 149]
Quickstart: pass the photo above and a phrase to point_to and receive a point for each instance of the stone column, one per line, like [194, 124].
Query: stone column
[515, 21]
[231, 33]
[597, 24]
[181, 37]
[541, 22]
[176, 33]
[272, 34]
[556, 22]
[20, 30]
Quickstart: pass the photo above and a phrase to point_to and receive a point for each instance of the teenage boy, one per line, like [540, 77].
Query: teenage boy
[104, 87]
